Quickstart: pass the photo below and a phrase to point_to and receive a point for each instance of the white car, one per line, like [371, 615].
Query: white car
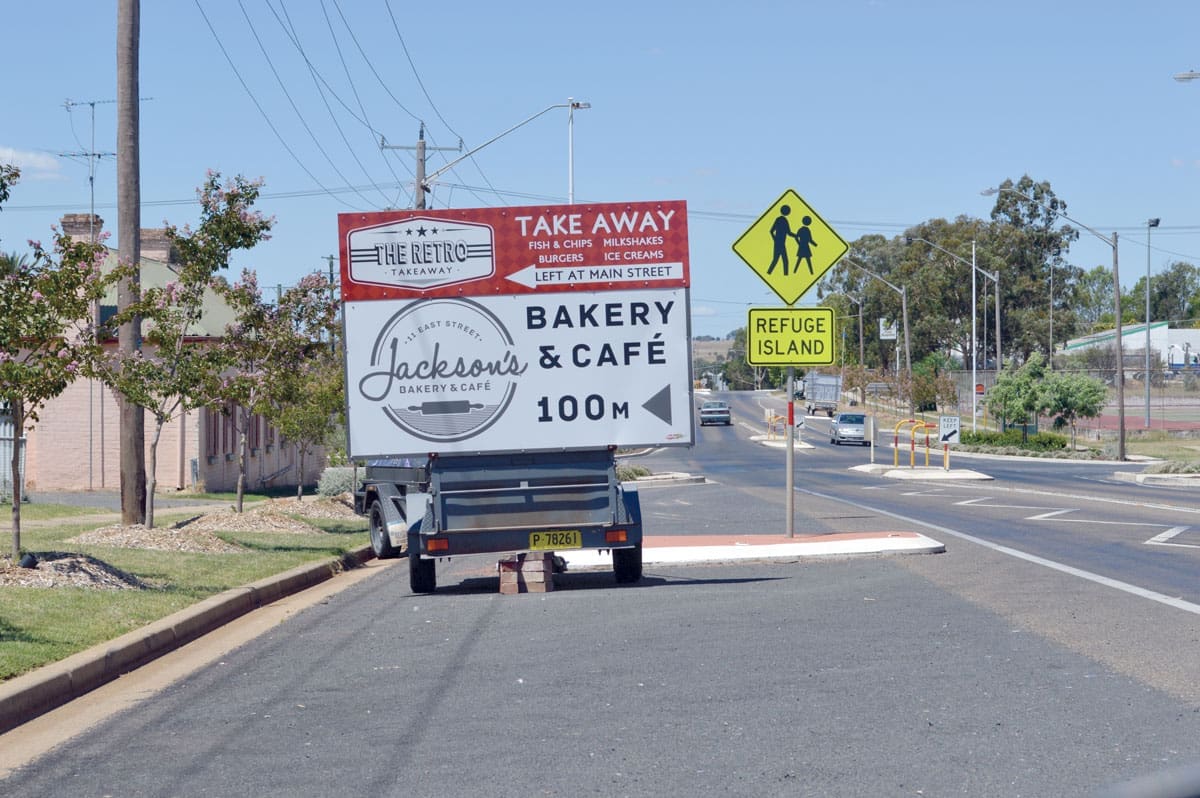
[848, 427]
[714, 412]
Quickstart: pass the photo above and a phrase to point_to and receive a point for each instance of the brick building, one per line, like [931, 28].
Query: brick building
[76, 444]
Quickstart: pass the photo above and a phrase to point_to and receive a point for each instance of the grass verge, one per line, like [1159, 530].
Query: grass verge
[43, 625]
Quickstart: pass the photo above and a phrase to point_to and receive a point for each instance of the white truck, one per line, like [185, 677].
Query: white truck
[822, 392]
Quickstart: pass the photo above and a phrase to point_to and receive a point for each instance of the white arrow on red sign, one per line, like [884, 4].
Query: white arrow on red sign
[550, 276]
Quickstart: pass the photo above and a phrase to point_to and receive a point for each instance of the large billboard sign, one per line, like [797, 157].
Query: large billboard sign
[516, 329]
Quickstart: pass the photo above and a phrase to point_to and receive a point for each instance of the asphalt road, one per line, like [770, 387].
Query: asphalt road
[969, 673]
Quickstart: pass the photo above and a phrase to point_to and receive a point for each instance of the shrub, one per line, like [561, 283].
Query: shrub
[625, 473]
[1174, 467]
[1039, 442]
[336, 481]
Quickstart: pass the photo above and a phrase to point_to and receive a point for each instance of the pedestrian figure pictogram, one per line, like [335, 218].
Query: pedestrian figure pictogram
[805, 243]
[767, 244]
[781, 231]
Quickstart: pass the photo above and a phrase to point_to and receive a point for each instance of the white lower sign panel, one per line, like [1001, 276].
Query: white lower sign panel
[518, 373]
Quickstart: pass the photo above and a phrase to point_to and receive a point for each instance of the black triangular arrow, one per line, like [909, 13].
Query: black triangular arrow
[660, 404]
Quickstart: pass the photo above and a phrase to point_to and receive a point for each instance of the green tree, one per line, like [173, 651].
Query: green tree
[9, 175]
[266, 348]
[883, 257]
[1036, 276]
[1093, 300]
[1070, 397]
[46, 336]
[738, 374]
[171, 374]
[1018, 392]
[311, 405]
[1174, 295]
[931, 381]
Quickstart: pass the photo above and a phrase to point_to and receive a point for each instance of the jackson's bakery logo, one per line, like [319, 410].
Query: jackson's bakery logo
[442, 370]
[421, 252]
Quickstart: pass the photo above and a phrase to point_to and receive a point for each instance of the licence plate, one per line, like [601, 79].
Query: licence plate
[556, 539]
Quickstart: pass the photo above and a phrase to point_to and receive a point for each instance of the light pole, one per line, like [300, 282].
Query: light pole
[1112, 242]
[903, 292]
[1149, 224]
[861, 354]
[571, 105]
[995, 277]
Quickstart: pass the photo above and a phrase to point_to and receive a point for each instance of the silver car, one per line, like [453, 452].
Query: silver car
[715, 413]
[848, 427]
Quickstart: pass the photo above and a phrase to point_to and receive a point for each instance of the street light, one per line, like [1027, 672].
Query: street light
[995, 277]
[1112, 242]
[571, 105]
[1149, 224]
[903, 292]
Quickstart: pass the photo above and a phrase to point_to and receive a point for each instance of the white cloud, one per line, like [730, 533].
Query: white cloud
[33, 165]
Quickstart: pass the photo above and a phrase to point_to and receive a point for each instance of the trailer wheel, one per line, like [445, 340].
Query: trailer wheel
[422, 574]
[380, 543]
[627, 564]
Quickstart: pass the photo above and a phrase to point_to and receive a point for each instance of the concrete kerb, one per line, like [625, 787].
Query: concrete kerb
[670, 478]
[889, 471]
[1177, 480]
[717, 549]
[37, 692]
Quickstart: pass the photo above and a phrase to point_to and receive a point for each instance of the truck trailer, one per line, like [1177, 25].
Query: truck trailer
[488, 503]
[822, 393]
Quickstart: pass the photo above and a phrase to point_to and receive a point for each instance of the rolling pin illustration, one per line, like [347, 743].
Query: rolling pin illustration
[456, 407]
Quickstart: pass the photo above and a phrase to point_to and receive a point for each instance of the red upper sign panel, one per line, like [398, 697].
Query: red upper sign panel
[522, 250]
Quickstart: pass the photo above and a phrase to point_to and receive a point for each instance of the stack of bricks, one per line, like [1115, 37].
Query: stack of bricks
[526, 573]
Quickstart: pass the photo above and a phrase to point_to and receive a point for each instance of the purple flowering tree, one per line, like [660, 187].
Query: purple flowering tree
[176, 370]
[271, 351]
[47, 338]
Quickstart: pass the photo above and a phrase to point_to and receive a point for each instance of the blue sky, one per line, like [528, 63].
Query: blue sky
[880, 113]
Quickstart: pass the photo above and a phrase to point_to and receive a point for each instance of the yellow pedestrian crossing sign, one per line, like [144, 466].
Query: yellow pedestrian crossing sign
[790, 247]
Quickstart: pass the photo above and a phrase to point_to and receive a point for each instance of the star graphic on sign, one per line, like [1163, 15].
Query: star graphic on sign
[408, 231]
[434, 231]
[421, 231]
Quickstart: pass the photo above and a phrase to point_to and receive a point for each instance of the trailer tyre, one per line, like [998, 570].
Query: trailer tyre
[380, 543]
[422, 574]
[627, 564]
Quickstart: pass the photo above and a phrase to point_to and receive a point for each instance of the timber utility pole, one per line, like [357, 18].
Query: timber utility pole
[129, 219]
[421, 189]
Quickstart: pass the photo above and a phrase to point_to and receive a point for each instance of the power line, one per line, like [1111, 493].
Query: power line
[292, 103]
[266, 117]
[417, 75]
[289, 30]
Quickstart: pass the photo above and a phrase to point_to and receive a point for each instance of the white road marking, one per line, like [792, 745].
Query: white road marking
[1044, 516]
[1165, 538]
[1116, 584]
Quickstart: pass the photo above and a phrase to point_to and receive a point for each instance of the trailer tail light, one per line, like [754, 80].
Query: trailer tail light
[437, 544]
[616, 536]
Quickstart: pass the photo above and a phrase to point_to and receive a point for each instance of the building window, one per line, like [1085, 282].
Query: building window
[212, 432]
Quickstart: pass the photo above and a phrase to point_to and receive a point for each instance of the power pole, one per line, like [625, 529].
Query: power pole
[129, 206]
[421, 189]
[92, 156]
[332, 301]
